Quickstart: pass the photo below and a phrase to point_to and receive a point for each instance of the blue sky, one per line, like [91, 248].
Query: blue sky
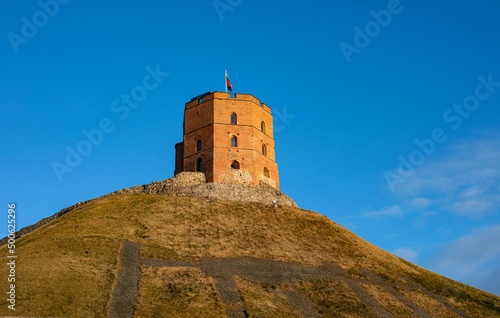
[386, 112]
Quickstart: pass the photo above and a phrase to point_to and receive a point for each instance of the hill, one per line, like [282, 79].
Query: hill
[151, 255]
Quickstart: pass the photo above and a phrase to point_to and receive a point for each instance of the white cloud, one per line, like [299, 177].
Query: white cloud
[473, 259]
[430, 213]
[421, 202]
[349, 225]
[470, 192]
[406, 253]
[393, 211]
[465, 180]
[473, 207]
[443, 230]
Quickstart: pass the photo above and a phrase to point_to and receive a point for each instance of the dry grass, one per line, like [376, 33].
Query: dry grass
[428, 304]
[263, 301]
[469, 299]
[67, 267]
[66, 276]
[333, 298]
[197, 229]
[177, 292]
[388, 301]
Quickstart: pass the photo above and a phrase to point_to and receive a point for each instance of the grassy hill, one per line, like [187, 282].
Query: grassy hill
[220, 259]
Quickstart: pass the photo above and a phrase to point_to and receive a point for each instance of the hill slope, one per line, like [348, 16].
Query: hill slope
[161, 256]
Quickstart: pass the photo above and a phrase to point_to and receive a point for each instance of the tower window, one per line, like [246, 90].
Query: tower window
[199, 165]
[266, 172]
[234, 141]
[264, 150]
[235, 165]
[263, 127]
[198, 145]
[234, 118]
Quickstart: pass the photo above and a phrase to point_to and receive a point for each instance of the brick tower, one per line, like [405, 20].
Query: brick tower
[230, 139]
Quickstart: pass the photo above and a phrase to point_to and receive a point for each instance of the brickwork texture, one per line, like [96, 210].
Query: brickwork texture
[223, 133]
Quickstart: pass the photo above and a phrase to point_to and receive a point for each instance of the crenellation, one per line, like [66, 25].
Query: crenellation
[266, 108]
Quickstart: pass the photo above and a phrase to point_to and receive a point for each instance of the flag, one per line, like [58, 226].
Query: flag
[228, 84]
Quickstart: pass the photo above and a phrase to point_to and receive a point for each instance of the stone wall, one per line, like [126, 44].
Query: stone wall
[235, 176]
[42, 222]
[186, 184]
[192, 184]
[266, 180]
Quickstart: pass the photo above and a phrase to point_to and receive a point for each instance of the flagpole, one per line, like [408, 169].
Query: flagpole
[225, 80]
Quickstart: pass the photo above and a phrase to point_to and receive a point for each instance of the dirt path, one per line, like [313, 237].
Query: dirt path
[125, 293]
[435, 297]
[419, 311]
[224, 270]
[373, 306]
[301, 304]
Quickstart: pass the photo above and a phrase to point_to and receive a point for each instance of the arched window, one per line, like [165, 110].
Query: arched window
[199, 165]
[263, 127]
[264, 150]
[266, 172]
[234, 118]
[198, 145]
[234, 141]
[235, 165]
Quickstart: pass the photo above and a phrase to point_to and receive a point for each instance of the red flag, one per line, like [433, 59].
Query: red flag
[228, 84]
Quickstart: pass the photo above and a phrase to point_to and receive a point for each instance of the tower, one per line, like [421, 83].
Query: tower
[230, 139]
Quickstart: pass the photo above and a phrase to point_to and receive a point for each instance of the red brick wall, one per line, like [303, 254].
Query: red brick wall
[179, 158]
[209, 120]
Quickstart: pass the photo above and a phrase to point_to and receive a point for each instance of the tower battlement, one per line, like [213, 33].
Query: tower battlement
[220, 95]
[229, 137]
